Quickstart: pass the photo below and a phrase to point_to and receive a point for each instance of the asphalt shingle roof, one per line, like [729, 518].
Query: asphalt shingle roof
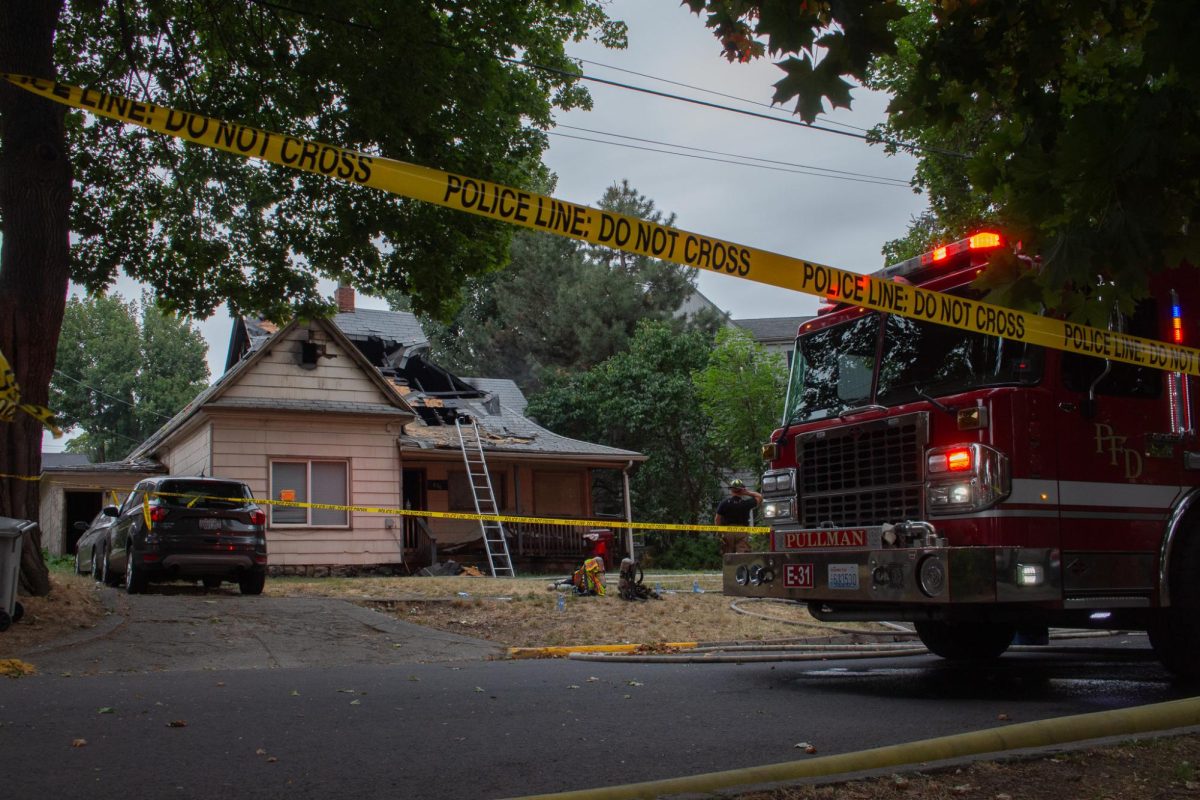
[396, 326]
[772, 328]
[506, 390]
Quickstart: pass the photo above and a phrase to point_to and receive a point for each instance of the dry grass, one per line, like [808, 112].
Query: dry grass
[528, 615]
[1152, 768]
[73, 604]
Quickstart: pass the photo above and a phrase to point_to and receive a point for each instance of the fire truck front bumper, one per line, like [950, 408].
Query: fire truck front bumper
[890, 575]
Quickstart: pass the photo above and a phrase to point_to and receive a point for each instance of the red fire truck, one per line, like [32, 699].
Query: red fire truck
[981, 487]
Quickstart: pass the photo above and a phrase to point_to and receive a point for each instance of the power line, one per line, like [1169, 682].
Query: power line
[912, 148]
[885, 182]
[709, 91]
[745, 112]
[106, 394]
[835, 172]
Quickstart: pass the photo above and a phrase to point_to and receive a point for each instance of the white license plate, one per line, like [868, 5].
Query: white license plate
[208, 524]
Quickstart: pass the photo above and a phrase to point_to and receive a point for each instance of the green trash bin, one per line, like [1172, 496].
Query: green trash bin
[11, 533]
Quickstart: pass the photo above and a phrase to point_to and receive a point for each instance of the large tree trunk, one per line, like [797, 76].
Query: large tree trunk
[35, 200]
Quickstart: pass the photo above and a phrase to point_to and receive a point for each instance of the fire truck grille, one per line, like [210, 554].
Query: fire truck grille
[864, 474]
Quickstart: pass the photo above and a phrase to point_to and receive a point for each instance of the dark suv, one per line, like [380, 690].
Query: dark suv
[175, 527]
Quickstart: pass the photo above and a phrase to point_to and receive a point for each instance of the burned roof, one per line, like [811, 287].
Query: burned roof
[400, 327]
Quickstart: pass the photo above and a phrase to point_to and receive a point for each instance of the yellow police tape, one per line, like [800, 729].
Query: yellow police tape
[10, 403]
[416, 512]
[413, 512]
[20, 477]
[620, 232]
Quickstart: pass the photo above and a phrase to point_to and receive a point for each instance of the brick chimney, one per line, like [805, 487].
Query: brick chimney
[345, 299]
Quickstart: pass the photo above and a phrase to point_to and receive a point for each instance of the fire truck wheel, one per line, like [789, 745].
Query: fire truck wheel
[957, 641]
[1175, 634]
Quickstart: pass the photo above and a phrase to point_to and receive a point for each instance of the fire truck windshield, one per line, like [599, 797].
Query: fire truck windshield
[845, 366]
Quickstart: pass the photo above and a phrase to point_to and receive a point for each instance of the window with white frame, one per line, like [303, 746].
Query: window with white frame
[310, 481]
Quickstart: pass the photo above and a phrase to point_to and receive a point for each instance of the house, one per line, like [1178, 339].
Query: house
[350, 411]
[776, 334]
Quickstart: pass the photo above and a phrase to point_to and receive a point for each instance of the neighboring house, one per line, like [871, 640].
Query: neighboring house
[696, 304]
[350, 411]
[776, 334]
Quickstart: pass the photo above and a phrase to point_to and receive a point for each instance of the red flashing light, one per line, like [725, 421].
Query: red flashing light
[958, 460]
[940, 254]
[258, 517]
[985, 240]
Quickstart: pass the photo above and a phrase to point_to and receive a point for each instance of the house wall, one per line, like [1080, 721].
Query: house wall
[278, 376]
[193, 455]
[243, 449]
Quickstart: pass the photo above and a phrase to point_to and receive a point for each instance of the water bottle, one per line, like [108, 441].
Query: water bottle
[561, 603]
[696, 586]
[464, 594]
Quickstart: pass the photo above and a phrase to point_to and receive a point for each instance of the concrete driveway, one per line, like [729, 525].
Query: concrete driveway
[179, 628]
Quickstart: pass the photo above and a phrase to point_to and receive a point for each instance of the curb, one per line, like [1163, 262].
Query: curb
[565, 652]
[1123, 722]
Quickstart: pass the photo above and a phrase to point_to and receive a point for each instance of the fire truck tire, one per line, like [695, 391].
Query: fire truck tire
[956, 641]
[1175, 634]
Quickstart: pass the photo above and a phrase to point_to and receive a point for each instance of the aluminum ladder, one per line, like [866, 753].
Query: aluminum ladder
[495, 541]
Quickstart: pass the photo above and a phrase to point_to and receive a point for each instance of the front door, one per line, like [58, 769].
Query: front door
[417, 544]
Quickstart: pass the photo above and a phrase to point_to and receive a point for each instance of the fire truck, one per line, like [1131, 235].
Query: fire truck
[982, 487]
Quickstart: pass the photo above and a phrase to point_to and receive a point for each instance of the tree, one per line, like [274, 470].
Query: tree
[741, 390]
[432, 83]
[643, 399]
[119, 379]
[1082, 118]
[560, 304]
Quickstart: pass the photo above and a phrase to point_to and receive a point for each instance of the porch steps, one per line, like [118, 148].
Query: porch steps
[495, 541]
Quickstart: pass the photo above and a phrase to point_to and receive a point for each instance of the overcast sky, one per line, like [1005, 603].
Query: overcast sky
[830, 220]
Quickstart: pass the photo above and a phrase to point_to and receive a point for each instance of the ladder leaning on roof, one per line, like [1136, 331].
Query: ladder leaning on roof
[495, 541]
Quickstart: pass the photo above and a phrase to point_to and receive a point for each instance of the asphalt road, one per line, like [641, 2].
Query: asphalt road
[368, 707]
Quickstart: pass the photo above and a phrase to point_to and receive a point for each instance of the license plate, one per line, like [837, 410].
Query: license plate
[209, 524]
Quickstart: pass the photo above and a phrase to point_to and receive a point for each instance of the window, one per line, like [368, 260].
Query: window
[460, 497]
[322, 481]
[558, 494]
[1081, 372]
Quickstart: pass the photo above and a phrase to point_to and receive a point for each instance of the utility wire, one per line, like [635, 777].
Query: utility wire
[912, 148]
[709, 91]
[105, 394]
[745, 112]
[835, 172]
[884, 182]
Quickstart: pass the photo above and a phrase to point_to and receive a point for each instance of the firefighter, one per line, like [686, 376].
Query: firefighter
[735, 510]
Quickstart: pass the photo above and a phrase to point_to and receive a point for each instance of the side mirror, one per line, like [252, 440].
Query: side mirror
[111, 511]
[81, 526]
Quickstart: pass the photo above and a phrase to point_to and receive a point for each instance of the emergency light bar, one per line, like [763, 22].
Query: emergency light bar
[984, 240]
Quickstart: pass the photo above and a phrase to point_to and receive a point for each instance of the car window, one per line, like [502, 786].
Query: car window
[135, 498]
[203, 494]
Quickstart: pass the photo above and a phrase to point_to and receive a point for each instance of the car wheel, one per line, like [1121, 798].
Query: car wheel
[211, 583]
[135, 577]
[106, 573]
[5, 620]
[252, 583]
